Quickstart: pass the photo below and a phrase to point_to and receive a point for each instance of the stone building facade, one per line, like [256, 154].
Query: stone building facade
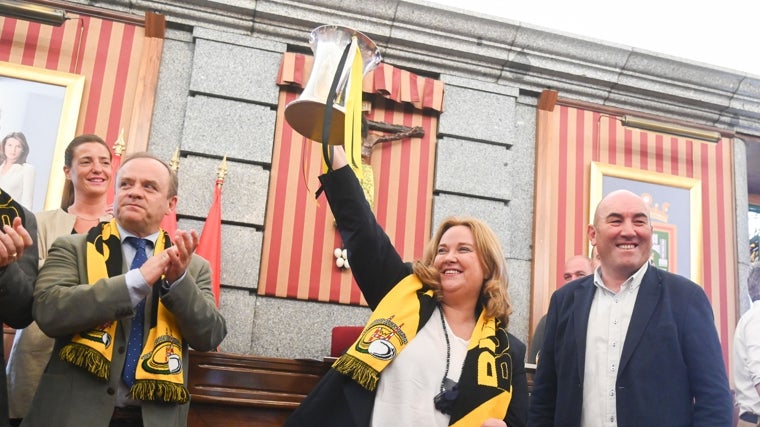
[216, 97]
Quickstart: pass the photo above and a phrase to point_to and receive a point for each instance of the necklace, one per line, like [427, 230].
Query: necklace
[84, 218]
[444, 400]
[448, 349]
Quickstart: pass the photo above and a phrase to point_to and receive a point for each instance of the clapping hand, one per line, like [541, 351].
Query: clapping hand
[13, 241]
[185, 243]
[173, 261]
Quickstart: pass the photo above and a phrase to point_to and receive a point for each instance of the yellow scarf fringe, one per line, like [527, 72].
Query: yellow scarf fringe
[85, 357]
[394, 322]
[161, 391]
[358, 371]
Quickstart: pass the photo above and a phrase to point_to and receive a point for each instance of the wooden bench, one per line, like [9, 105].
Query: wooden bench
[233, 390]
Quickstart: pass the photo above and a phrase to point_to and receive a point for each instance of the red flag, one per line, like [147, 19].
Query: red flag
[210, 243]
[169, 223]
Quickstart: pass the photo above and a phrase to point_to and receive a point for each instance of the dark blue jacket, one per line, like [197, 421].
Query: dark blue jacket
[671, 370]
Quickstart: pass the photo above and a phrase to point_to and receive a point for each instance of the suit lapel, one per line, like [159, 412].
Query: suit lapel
[646, 302]
[581, 308]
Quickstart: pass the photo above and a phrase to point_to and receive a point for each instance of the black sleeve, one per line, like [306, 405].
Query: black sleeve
[517, 413]
[374, 262]
[17, 281]
[538, 340]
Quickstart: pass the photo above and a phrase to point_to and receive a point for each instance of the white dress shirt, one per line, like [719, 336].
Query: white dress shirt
[747, 360]
[608, 323]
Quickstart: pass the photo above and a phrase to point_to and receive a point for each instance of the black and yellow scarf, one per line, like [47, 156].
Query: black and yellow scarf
[9, 209]
[159, 375]
[486, 381]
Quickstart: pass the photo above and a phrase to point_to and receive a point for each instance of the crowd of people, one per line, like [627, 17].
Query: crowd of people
[108, 304]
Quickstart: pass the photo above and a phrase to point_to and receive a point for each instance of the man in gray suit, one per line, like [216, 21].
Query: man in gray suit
[18, 270]
[124, 302]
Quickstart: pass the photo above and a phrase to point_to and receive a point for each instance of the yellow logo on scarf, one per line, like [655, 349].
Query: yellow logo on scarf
[381, 339]
[392, 325]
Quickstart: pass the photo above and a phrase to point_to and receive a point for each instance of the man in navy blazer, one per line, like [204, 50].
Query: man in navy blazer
[630, 345]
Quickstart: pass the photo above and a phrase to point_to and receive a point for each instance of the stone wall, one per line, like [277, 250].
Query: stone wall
[216, 97]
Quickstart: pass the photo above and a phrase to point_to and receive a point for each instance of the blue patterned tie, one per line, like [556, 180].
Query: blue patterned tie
[134, 346]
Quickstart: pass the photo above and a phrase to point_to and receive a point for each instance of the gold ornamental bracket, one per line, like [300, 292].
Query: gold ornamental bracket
[174, 162]
[221, 172]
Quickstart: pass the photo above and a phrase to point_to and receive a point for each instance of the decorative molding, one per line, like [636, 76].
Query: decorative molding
[418, 35]
[97, 12]
[145, 95]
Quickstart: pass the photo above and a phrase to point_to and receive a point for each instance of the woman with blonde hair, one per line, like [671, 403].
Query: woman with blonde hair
[435, 351]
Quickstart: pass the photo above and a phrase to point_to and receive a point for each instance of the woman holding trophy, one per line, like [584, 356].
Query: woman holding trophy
[435, 351]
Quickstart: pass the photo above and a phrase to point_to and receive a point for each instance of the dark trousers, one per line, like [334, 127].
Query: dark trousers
[130, 416]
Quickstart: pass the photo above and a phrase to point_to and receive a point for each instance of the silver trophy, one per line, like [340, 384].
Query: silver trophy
[306, 115]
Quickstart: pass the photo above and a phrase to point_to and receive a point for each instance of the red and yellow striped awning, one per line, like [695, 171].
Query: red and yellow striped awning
[299, 235]
[106, 52]
[393, 83]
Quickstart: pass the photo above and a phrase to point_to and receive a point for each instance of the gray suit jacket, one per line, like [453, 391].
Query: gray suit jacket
[66, 304]
[16, 287]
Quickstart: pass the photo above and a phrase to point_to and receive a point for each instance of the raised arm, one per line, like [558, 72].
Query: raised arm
[375, 264]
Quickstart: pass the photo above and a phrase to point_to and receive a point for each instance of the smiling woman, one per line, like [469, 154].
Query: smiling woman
[87, 167]
[434, 325]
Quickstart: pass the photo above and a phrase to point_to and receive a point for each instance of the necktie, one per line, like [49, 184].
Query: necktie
[134, 346]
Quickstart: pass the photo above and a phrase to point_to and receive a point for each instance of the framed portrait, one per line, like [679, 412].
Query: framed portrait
[42, 105]
[675, 205]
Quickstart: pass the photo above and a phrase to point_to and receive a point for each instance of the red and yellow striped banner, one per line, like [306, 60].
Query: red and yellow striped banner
[573, 137]
[107, 53]
[300, 236]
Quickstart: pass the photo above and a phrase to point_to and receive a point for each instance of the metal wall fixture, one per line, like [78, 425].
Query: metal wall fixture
[32, 12]
[670, 128]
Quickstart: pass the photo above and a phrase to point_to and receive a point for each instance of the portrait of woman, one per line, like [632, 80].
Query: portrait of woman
[16, 175]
